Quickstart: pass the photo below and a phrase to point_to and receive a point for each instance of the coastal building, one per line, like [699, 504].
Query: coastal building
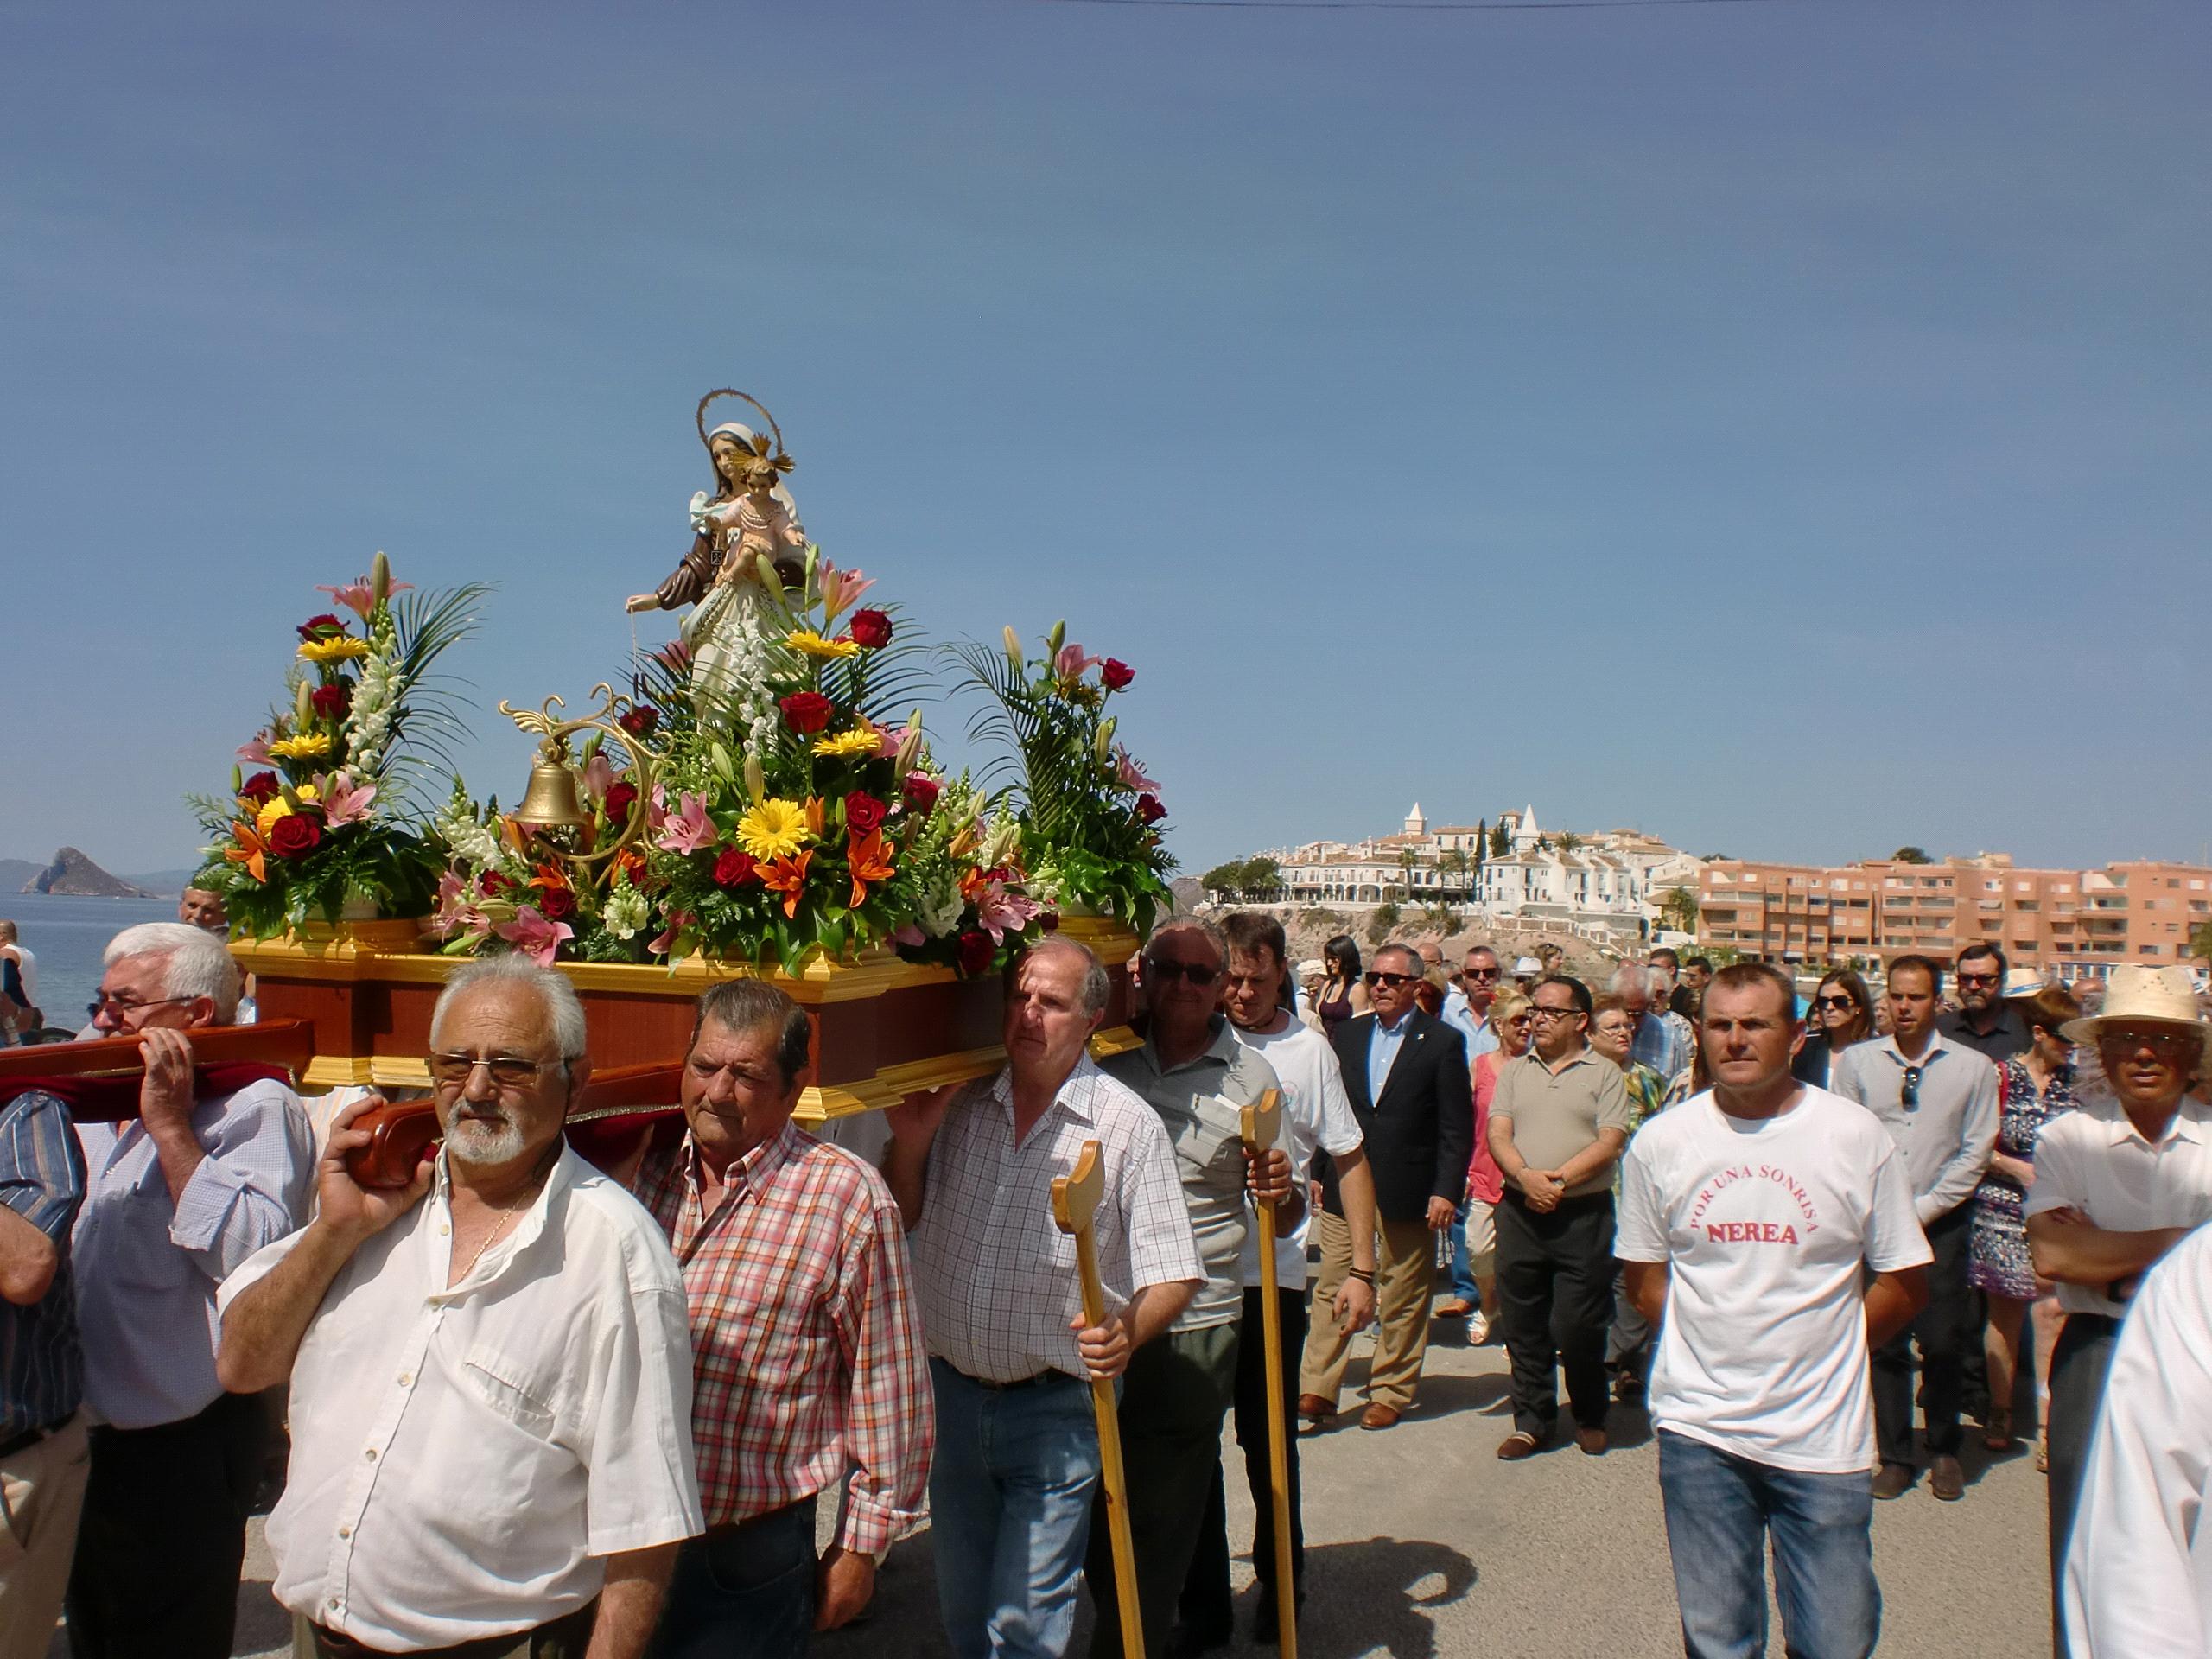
[2070, 924]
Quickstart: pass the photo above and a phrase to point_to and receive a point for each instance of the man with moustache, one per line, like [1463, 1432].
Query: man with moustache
[491, 1371]
[806, 1341]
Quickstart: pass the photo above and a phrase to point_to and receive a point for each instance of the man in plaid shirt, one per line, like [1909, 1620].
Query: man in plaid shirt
[806, 1344]
[1010, 1352]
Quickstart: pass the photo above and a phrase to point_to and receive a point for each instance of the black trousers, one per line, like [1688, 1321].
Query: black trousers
[2080, 1363]
[1942, 1330]
[1207, 1603]
[163, 1539]
[1555, 1294]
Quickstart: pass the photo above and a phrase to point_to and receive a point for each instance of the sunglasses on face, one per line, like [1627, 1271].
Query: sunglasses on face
[1977, 979]
[1480, 972]
[1167, 973]
[1839, 1003]
[1381, 982]
[1909, 1096]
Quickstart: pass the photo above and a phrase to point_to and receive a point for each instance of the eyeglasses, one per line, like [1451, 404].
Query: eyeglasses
[1478, 973]
[126, 1008]
[1839, 1003]
[1383, 982]
[1539, 1012]
[1168, 972]
[1908, 1097]
[1979, 979]
[2164, 1042]
[508, 1070]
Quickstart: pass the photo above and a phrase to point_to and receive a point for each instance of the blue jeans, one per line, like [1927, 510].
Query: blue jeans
[1010, 1497]
[1721, 1509]
[745, 1591]
[1463, 1273]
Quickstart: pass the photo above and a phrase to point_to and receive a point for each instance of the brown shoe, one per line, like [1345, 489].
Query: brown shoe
[1518, 1445]
[1454, 1309]
[1893, 1480]
[1946, 1479]
[1315, 1410]
[1591, 1442]
[1379, 1417]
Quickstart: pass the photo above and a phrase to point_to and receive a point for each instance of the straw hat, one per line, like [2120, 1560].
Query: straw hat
[1313, 967]
[2022, 981]
[2136, 995]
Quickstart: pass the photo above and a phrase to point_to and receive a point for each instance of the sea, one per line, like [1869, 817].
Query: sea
[67, 933]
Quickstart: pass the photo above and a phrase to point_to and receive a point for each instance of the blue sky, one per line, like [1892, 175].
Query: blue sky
[1783, 427]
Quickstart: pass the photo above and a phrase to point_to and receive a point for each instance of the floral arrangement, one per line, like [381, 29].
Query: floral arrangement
[825, 828]
[1090, 817]
[321, 829]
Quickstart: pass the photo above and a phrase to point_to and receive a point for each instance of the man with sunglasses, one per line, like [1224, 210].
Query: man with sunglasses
[1406, 1075]
[1466, 1009]
[491, 1367]
[175, 1199]
[2119, 1181]
[1984, 1021]
[1939, 1101]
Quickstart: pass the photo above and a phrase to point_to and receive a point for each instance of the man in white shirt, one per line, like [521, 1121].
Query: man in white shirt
[1316, 1114]
[1466, 1009]
[1010, 1352]
[2137, 1582]
[1939, 1101]
[1751, 1217]
[2119, 1181]
[492, 1389]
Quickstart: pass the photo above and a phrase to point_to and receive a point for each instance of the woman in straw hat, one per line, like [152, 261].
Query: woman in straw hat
[2118, 1181]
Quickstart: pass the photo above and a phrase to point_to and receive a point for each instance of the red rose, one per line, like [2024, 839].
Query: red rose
[295, 836]
[863, 812]
[556, 903]
[1117, 674]
[621, 797]
[322, 628]
[870, 628]
[806, 711]
[330, 701]
[640, 721]
[260, 789]
[975, 952]
[734, 868]
[921, 790]
[494, 884]
[1150, 810]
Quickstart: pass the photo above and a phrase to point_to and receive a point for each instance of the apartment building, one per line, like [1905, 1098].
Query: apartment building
[2073, 923]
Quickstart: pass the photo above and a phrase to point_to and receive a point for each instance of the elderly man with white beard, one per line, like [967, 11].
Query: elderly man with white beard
[491, 1368]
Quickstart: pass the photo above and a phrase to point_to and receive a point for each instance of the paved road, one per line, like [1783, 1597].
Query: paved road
[1423, 1546]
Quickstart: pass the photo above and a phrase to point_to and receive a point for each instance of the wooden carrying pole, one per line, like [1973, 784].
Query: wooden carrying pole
[1075, 1197]
[1262, 1124]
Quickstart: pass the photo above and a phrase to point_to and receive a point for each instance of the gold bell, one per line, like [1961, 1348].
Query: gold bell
[551, 802]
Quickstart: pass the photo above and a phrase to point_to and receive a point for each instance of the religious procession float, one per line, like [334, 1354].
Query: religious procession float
[760, 797]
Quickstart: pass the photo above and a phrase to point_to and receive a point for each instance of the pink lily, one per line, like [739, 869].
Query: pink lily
[656, 808]
[535, 936]
[599, 777]
[999, 912]
[255, 753]
[453, 912]
[1131, 774]
[1072, 663]
[344, 803]
[840, 589]
[360, 595]
[908, 934]
[666, 942]
[688, 830]
[675, 656]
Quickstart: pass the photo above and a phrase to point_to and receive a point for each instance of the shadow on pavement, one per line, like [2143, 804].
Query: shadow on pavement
[1375, 1596]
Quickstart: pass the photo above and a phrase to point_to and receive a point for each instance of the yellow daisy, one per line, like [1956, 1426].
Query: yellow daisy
[866, 741]
[342, 649]
[774, 829]
[307, 746]
[277, 807]
[813, 644]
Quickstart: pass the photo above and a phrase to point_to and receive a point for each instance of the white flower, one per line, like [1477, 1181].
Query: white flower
[627, 911]
[940, 906]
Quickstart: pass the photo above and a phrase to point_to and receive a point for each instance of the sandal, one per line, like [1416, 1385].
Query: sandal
[2043, 1457]
[1996, 1430]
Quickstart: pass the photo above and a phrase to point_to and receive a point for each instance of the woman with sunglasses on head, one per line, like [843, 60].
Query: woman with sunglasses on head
[2034, 1088]
[1342, 995]
[1842, 1014]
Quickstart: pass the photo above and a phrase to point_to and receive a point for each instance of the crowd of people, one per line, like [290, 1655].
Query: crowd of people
[530, 1407]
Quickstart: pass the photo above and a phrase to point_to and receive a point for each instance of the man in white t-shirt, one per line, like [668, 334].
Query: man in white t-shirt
[1749, 1219]
[1316, 1114]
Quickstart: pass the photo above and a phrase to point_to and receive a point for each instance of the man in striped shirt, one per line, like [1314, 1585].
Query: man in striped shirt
[41, 1373]
[806, 1344]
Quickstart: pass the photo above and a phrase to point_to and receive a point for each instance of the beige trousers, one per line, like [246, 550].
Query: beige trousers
[41, 1493]
[1405, 1268]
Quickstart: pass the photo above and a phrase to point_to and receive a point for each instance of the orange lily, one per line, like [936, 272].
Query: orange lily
[787, 876]
[551, 877]
[870, 861]
[973, 881]
[631, 862]
[250, 851]
[814, 819]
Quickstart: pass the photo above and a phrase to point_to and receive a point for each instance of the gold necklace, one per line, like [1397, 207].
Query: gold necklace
[492, 1237]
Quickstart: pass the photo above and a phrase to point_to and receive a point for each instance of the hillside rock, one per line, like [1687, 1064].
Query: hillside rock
[73, 872]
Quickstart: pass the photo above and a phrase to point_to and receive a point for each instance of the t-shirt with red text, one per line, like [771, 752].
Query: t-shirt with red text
[1767, 1226]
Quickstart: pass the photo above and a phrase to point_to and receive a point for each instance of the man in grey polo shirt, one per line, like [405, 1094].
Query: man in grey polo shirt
[1939, 1101]
[1557, 1126]
[1194, 1073]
